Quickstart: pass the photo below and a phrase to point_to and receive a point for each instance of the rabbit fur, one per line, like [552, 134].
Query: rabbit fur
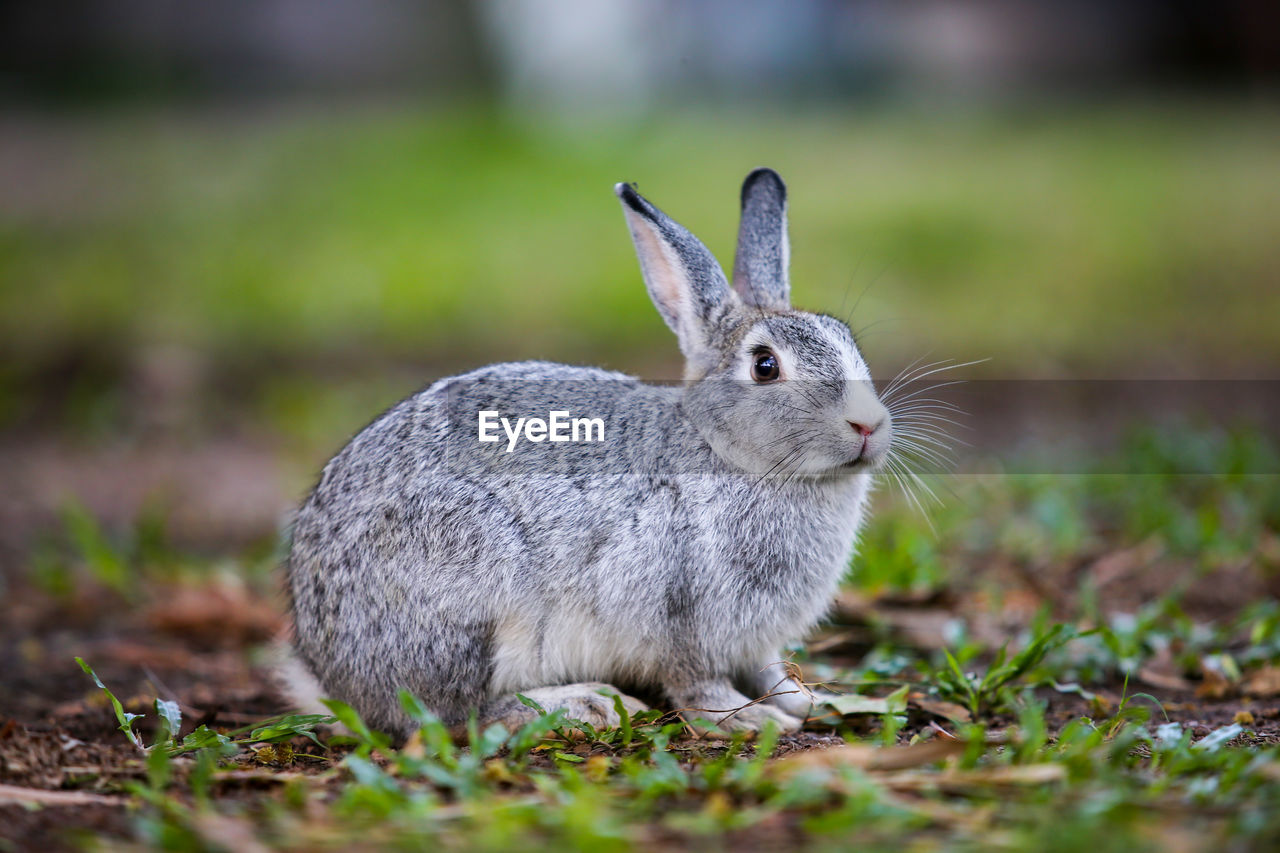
[678, 557]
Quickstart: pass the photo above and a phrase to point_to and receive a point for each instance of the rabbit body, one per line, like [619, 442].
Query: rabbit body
[678, 556]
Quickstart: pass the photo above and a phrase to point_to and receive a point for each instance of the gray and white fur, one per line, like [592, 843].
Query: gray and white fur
[676, 559]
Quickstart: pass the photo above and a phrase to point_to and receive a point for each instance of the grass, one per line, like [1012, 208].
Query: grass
[1060, 662]
[1049, 738]
[558, 783]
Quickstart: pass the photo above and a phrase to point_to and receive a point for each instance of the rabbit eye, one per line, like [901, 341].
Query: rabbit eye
[764, 366]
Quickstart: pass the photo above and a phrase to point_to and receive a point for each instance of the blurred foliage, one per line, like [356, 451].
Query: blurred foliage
[1077, 238]
[1213, 520]
[1158, 542]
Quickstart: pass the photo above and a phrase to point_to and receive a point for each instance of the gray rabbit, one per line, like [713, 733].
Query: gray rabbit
[674, 552]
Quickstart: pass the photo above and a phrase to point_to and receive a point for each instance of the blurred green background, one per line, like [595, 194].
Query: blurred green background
[212, 269]
[1116, 241]
[1093, 239]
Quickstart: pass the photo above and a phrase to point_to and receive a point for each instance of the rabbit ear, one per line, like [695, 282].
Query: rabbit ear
[684, 281]
[760, 265]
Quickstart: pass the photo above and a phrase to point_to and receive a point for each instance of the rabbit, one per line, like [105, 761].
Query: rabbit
[676, 558]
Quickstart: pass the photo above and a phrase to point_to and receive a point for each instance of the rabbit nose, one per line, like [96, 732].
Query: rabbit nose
[862, 429]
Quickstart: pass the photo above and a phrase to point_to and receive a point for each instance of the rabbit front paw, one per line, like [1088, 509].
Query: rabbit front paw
[753, 718]
[591, 702]
[719, 703]
[777, 683]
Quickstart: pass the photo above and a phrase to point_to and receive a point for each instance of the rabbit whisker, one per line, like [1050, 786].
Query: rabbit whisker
[914, 393]
[929, 434]
[894, 382]
[912, 374]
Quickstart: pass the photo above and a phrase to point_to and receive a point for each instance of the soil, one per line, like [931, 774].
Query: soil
[204, 642]
[205, 647]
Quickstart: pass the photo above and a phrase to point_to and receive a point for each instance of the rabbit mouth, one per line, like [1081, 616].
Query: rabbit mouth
[862, 460]
[866, 458]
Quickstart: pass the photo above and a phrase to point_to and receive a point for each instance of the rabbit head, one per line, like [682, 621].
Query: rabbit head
[774, 391]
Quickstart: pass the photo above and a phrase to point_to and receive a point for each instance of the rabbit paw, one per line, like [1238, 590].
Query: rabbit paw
[753, 718]
[803, 703]
[719, 703]
[776, 682]
[582, 701]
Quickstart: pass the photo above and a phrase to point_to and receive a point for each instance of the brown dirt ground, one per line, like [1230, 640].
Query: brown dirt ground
[204, 647]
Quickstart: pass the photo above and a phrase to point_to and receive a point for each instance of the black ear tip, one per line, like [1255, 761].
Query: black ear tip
[632, 199]
[766, 177]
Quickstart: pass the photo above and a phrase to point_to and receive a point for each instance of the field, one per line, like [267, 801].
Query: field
[1138, 704]
[195, 311]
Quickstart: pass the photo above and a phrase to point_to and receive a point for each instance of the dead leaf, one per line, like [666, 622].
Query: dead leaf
[920, 627]
[837, 706]
[1215, 685]
[960, 781]
[221, 613]
[1015, 774]
[496, 770]
[1163, 672]
[261, 774]
[14, 794]
[231, 833]
[939, 708]
[851, 606]
[1118, 565]
[272, 754]
[834, 641]
[413, 747]
[865, 757]
[1154, 677]
[1269, 770]
[143, 655]
[1262, 683]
